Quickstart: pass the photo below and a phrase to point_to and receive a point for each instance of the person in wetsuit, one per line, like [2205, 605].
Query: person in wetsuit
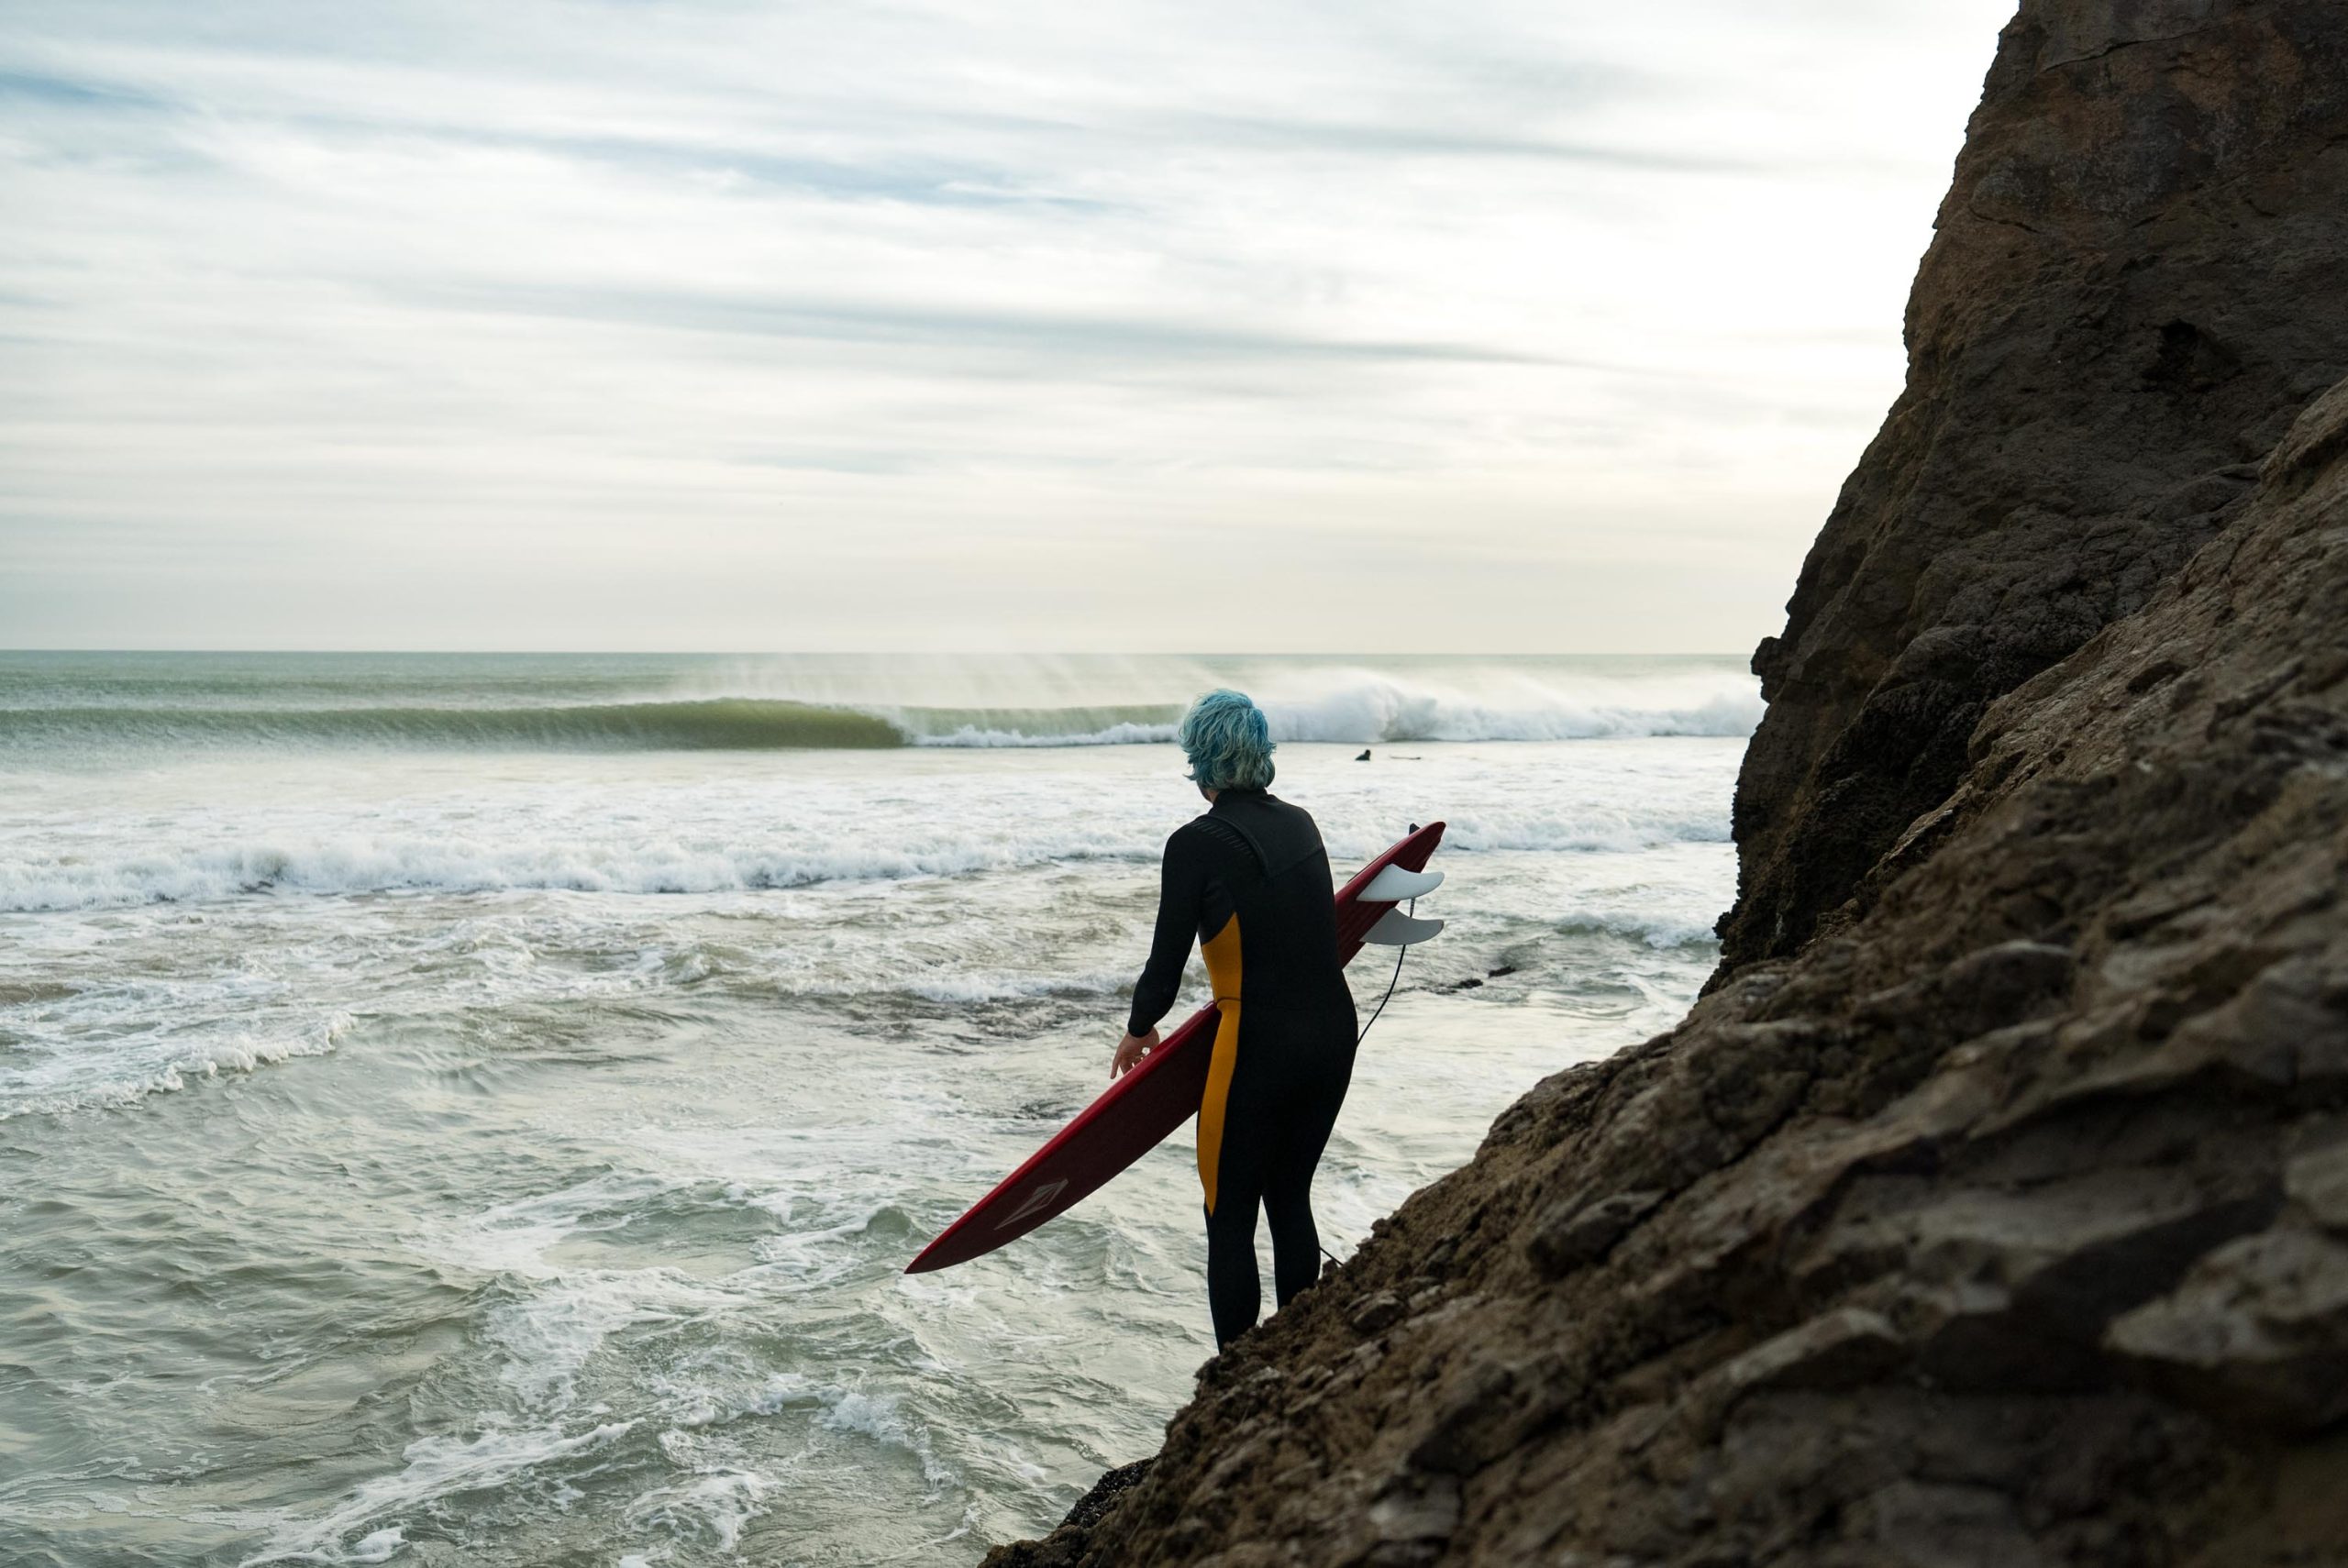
[1249, 880]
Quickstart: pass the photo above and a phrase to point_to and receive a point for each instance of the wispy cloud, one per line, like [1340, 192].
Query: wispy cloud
[1062, 340]
[771, 321]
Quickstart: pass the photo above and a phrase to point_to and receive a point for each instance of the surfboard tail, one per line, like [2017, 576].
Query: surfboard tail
[1132, 1116]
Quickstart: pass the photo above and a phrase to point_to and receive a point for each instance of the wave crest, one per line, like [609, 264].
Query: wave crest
[712, 724]
[1367, 709]
[1348, 707]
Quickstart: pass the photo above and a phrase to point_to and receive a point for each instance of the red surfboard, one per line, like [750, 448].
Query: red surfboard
[1138, 1111]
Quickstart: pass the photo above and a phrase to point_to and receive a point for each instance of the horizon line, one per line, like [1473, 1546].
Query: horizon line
[903, 652]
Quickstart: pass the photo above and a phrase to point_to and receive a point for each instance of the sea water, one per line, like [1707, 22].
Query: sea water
[477, 1110]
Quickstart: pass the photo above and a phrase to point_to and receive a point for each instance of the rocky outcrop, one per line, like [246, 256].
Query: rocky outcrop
[2136, 281]
[1992, 1206]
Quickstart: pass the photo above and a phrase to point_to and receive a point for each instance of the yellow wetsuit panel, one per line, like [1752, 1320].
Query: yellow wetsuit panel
[1222, 954]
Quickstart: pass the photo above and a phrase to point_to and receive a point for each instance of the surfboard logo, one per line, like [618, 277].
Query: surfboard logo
[1035, 1199]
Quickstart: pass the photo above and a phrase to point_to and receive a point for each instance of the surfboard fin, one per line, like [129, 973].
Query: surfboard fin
[1394, 884]
[1395, 929]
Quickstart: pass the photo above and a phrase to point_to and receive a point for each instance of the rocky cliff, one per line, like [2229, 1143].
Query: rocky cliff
[2135, 282]
[1992, 1206]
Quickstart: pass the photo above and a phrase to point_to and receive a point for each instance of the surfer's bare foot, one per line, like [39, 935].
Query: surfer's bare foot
[1130, 1051]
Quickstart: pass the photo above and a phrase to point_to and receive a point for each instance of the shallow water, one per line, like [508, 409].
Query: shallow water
[500, 1149]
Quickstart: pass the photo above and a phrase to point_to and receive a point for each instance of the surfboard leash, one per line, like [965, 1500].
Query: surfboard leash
[1400, 953]
[1396, 979]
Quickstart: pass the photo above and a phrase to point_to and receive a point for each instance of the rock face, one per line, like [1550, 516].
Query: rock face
[2137, 280]
[1992, 1206]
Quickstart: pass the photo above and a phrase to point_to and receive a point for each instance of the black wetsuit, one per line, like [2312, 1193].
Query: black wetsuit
[1250, 882]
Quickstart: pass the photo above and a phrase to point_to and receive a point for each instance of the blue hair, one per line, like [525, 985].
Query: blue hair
[1228, 743]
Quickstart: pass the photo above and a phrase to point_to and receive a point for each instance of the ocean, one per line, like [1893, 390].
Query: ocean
[477, 1108]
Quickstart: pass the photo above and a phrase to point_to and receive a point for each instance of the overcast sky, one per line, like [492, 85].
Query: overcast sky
[718, 324]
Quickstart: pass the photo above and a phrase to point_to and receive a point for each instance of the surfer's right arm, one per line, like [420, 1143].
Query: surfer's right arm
[1182, 881]
[1130, 1051]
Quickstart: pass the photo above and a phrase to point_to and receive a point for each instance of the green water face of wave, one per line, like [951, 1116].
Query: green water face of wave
[722, 724]
[718, 724]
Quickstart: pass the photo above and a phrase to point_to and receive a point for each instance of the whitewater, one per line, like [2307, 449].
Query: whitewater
[471, 1109]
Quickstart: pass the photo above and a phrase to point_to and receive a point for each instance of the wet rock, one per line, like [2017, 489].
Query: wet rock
[1105, 1492]
[1581, 1230]
[2259, 1330]
[1849, 1345]
[1999, 1283]
[1380, 1312]
[1416, 1509]
[1931, 1526]
[2115, 299]
[2318, 1181]
[1065, 1545]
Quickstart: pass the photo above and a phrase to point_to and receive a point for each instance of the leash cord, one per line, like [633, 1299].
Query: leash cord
[1400, 953]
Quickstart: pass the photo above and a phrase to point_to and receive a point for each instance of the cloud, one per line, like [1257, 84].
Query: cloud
[985, 308]
[1055, 338]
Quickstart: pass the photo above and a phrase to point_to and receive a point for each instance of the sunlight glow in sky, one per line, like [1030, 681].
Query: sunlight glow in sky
[1123, 326]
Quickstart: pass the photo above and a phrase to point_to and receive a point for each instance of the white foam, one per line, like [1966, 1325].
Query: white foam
[717, 1506]
[552, 1332]
[973, 986]
[432, 1468]
[378, 1547]
[874, 1416]
[597, 857]
[1658, 928]
[1364, 708]
[514, 1238]
[158, 1056]
[560, 1317]
[973, 735]
[604, 863]
[440, 864]
[1360, 707]
[888, 880]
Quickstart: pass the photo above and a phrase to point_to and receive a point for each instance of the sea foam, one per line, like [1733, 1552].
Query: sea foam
[1367, 708]
[606, 858]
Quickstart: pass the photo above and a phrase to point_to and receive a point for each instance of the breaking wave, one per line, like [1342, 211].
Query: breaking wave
[1362, 711]
[717, 723]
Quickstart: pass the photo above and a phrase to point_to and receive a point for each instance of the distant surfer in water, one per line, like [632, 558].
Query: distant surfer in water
[1250, 882]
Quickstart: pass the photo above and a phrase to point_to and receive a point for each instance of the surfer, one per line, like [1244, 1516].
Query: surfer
[1249, 880]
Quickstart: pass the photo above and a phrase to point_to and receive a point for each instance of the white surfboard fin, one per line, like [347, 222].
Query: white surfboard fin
[1395, 929]
[1392, 885]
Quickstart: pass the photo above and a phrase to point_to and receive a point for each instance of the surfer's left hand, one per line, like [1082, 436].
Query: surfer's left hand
[1130, 1051]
